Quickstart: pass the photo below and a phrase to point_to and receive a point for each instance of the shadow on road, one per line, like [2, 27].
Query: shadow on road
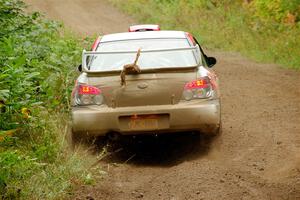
[163, 150]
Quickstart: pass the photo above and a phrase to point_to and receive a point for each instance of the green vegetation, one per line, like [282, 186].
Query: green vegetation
[266, 30]
[37, 71]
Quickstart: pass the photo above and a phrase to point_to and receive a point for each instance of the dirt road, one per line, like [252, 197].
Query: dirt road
[257, 157]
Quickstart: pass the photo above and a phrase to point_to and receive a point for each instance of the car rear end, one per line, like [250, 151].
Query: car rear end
[162, 98]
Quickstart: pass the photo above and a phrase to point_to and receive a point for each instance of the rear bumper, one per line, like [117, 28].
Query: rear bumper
[197, 115]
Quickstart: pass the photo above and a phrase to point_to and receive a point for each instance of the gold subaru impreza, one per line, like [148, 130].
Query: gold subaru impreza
[146, 82]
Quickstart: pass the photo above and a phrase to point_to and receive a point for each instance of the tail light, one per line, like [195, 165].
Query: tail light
[198, 89]
[88, 95]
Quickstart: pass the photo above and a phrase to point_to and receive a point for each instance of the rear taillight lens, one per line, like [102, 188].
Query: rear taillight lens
[198, 89]
[88, 95]
[86, 89]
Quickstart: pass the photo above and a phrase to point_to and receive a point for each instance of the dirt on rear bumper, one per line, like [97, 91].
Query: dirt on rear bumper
[203, 116]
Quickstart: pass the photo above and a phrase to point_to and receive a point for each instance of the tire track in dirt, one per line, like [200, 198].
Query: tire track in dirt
[257, 157]
[86, 17]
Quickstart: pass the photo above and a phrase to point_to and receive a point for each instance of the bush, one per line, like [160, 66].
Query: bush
[37, 64]
[229, 25]
[36, 75]
[276, 10]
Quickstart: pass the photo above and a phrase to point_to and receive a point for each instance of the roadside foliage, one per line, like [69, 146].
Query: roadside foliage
[37, 66]
[266, 30]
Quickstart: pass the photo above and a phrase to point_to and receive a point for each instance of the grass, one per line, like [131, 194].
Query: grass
[227, 25]
[43, 166]
[47, 169]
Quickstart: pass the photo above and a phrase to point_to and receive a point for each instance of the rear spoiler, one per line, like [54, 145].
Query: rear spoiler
[85, 54]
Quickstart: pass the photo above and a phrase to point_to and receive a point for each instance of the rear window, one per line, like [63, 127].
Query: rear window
[147, 60]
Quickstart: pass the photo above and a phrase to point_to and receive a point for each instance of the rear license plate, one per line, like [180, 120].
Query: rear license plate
[144, 122]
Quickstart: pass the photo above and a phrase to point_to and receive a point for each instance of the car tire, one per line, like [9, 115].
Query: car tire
[77, 138]
[218, 131]
[71, 138]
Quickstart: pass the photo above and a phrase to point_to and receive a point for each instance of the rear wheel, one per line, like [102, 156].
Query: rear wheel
[212, 130]
[218, 130]
[82, 137]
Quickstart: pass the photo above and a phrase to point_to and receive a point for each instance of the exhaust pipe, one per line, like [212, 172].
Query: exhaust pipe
[114, 136]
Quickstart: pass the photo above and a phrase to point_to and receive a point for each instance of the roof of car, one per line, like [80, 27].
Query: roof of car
[142, 35]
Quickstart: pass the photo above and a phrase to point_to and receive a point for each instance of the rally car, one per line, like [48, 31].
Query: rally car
[146, 81]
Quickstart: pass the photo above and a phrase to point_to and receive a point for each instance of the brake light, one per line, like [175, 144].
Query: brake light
[88, 95]
[202, 83]
[198, 89]
[87, 89]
